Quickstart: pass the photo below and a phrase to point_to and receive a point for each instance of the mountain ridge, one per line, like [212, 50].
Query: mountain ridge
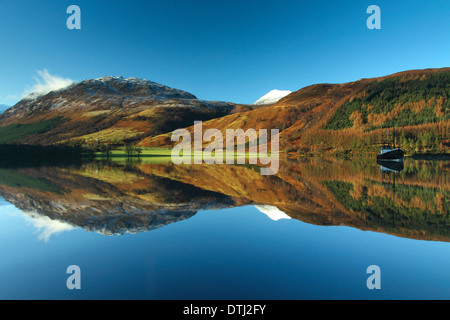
[113, 107]
[320, 118]
[334, 118]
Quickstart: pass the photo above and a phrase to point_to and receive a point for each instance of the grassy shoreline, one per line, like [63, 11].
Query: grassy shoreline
[156, 154]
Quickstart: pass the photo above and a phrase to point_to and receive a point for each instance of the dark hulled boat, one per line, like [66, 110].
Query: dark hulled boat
[391, 154]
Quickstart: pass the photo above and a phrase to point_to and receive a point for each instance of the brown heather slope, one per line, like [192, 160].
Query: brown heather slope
[305, 108]
[301, 116]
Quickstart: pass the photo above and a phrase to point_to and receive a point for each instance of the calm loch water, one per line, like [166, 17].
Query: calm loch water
[159, 231]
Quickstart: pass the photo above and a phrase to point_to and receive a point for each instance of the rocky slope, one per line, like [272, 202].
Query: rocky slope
[113, 108]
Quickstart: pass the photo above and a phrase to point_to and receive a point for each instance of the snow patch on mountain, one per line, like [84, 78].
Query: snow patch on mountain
[134, 87]
[272, 97]
[272, 212]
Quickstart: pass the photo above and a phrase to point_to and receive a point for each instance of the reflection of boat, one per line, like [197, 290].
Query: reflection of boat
[389, 169]
[390, 166]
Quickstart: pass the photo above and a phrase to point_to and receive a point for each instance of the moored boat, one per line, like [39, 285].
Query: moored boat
[389, 154]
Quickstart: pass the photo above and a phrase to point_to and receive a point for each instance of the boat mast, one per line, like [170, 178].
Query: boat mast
[394, 134]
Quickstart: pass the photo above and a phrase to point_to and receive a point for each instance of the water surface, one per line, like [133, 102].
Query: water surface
[160, 231]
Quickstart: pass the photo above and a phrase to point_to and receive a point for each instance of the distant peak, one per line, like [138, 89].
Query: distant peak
[272, 97]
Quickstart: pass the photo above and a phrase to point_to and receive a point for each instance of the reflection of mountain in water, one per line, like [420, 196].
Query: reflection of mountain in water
[106, 200]
[114, 199]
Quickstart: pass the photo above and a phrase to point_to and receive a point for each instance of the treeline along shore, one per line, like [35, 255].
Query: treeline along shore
[19, 154]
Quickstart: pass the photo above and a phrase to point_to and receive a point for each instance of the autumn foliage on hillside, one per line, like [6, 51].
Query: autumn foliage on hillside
[415, 106]
[352, 118]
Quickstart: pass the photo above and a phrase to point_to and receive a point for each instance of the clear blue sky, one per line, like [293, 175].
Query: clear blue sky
[234, 50]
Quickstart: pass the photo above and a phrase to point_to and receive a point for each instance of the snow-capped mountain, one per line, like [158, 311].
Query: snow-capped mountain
[3, 108]
[111, 107]
[272, 97]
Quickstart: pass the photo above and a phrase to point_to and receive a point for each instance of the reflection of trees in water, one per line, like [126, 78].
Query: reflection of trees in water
[399, 207]
[131, 162]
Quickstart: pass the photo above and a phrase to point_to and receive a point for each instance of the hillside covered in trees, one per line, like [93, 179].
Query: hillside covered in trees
[417, 107]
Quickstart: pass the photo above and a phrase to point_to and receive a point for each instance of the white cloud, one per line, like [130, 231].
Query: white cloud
[46, 83]
[45, 226]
